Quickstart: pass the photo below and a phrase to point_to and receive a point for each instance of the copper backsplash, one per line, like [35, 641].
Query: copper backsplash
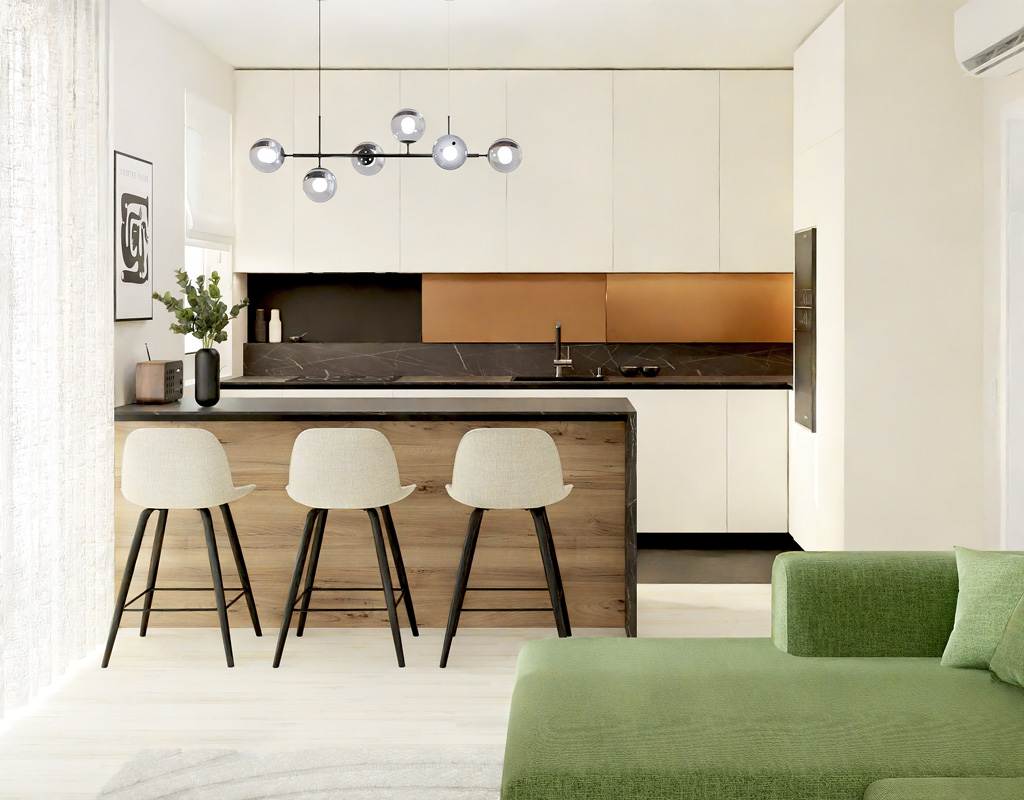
[642, 307]
[513, 308]
[700, 307]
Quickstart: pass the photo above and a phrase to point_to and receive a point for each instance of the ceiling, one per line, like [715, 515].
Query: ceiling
[500, 33]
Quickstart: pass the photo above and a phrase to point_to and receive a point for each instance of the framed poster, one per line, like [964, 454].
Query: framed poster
[133, 238]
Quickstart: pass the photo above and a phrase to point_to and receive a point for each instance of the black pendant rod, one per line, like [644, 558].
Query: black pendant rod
[319, 78]
[375, 155]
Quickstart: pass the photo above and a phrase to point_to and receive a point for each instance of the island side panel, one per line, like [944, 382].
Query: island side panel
[589, 529]
[630, 522]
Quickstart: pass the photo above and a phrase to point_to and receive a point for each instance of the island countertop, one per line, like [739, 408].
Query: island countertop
[594, 527]
[270, 409]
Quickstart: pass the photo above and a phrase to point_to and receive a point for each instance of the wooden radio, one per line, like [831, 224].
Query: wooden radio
[158, 381]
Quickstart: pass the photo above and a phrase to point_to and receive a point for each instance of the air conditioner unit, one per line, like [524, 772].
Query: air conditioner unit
[989, 37]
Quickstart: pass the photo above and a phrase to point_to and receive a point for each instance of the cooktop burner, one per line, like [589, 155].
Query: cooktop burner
[343, 379]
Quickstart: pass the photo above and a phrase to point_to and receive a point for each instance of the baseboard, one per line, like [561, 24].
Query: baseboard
[716, 541]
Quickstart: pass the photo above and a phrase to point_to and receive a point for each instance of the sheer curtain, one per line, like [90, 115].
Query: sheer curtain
[56, 342]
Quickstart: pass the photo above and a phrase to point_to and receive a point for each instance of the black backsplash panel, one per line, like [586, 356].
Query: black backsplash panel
[337, 360]
[359, 307]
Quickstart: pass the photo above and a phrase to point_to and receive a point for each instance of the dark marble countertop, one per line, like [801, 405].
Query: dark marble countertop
[385, 408]
[413, 382]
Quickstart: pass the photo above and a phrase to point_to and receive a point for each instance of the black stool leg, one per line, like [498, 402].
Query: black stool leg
[551, 571]
[461, 582]
[154, 565]
[314, 559]
[126, 582]
[396, 554]
[293, 589]
[389, 589]
[243, 573]
[557, 572]
[218, 584]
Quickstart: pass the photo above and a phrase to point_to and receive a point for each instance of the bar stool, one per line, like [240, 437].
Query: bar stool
[346, 468]
[508, 468]
[179, 468]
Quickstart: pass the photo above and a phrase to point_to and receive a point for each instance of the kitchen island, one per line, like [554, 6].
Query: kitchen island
[594, 528]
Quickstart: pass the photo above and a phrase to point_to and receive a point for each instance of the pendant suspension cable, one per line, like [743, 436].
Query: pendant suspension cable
[319, 79]
[449, 70]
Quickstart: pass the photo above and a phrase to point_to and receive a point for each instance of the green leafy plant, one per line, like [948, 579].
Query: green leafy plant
[201, 313]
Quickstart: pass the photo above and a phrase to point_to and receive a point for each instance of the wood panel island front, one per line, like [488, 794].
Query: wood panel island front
[594, 528]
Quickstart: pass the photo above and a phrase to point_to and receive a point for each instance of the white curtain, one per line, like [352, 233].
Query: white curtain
[56, 342]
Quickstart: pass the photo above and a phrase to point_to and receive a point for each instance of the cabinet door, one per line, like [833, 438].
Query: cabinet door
[666, 171]
[757, 171]
[681, 460]
[560, 198]
[264, 108]
[454, 221]
[758, 461]
[357, 229]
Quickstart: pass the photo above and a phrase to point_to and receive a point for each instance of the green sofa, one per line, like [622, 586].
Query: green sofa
[846, 701]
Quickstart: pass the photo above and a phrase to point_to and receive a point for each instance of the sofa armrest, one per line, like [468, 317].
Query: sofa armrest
[946, 789]
[863, 604]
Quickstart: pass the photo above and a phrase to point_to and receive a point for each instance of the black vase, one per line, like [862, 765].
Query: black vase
[207, 376]
[259, 332]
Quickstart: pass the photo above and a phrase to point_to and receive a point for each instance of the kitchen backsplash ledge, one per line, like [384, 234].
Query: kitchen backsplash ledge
[342, 360]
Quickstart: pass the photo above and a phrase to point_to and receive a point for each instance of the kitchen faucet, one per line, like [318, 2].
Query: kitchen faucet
[559, 361]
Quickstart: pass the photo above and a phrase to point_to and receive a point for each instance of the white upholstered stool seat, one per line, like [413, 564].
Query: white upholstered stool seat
[346, 468]
[177, 468]
[166, 469]
[508, 468]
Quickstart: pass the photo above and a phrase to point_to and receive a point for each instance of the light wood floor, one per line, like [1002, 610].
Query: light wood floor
[335, 688]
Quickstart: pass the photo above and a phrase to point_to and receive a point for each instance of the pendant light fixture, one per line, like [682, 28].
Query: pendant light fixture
[407, 126]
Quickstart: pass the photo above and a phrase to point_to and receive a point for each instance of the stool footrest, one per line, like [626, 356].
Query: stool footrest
[399, 595]
[506, 589]
[140, 595]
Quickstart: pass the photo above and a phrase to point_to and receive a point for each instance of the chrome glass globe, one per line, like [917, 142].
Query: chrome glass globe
[319, 185]
[505, 155]
[266, 155]
[370, 160]
[449, 152]
[408, 125]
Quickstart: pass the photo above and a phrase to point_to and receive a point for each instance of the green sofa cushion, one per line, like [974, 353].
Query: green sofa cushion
[736, 719]
[1008, 659]
[991, 585]
[863, 603]
[946, 789]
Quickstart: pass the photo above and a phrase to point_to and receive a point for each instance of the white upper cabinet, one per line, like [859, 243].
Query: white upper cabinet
[454, 220]
[757, 171]
[263, 203]
[631, 171]
[560, 198]
[358, 229]
[666, 171]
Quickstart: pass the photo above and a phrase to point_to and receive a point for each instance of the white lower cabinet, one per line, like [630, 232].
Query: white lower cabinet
[758, 461]
[681, 471]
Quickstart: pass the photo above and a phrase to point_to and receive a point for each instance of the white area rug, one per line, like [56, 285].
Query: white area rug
[449, 774]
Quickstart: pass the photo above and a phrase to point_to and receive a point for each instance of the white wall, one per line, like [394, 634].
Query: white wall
[913, 281]
[816, 503]
[904, 381]
[152, 65]
[1003, 97]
